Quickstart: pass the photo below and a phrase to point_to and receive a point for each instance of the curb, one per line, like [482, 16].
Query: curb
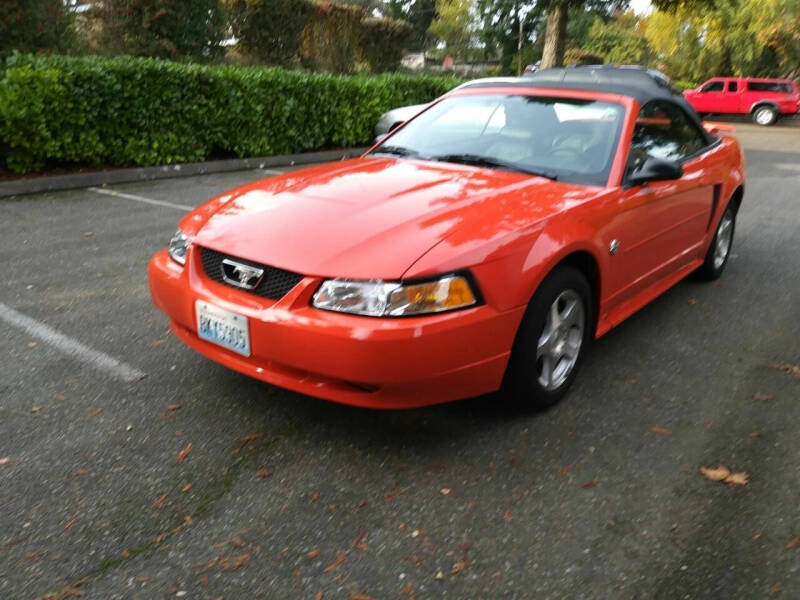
[83, 180]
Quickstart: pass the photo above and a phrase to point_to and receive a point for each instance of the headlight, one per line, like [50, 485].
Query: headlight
[178, 246]
[382, 299]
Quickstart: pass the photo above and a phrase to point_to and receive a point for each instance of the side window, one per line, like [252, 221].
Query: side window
[733, 86]
[713, 86]
[663, 131]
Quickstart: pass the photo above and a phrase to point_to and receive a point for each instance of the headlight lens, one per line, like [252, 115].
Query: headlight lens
[382, 299]
[178, 246]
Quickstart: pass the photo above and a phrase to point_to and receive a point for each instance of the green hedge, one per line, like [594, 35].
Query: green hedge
[138, 111]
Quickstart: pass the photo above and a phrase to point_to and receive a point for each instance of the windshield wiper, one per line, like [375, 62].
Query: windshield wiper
[395, 151]
[488, 161]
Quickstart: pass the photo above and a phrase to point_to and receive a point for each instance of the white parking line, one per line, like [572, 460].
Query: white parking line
[107, 192]
[69, 346]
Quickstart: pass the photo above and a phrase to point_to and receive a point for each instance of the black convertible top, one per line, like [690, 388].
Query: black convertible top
[641, 84]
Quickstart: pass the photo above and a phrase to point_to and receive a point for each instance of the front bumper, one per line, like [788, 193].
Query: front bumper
[363, 361]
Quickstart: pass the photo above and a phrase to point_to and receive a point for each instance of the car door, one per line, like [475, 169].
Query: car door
[709, 97]
[659, 227]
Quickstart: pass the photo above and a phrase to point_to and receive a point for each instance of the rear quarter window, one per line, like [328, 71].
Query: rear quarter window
[769, 86]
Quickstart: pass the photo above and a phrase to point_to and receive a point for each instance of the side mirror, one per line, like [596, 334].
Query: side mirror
[656, 169]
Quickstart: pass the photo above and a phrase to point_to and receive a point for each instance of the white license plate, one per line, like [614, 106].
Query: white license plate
[222, 327]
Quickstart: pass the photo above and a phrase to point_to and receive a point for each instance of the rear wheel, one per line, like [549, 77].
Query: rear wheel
[720, 249]
[552, 340]
[765, 115]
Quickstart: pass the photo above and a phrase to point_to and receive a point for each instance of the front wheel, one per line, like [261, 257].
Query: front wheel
[765, 115]
[552, 340]
[720, 249]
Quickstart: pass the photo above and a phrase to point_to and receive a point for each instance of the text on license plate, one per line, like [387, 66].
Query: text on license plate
[222, 327]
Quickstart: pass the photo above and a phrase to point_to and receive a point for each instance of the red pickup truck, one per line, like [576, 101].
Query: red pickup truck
[765, 99]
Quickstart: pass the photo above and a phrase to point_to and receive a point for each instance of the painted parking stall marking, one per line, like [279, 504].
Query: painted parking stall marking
[135, 198]
[69, 346]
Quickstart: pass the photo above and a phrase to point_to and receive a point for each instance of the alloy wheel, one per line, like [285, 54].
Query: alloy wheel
[560, 342]
[723, 243]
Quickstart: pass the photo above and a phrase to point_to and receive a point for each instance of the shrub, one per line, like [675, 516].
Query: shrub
[323, 36]
[271, 31]
[142, 111]
[35, 26]
[383, 42]
[163, 28]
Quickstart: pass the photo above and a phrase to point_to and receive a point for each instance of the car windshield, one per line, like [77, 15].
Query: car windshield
[567, 139]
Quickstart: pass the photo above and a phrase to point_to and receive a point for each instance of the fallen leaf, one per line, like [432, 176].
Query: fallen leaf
[774, 590]
[737, 478]
[129, 428]
[562, 473]
[357, 596]
[717, 474]
[160, 502]
[359, 541]
[249, 438]
[94, 413]
[313, 554]
[318, 596]
[691, 301]
[36, 409]
[439, 576]
[69, 524]
[757, 535]
[72, 592]
[591, 484]
[82, 472]
[5, 460]
[60, 397]
[156, 343]
[630, 379]
[457, 567]
[661, 430]
[234, 563]
[88, 234]
[204, 580]
[507, 516]
[238, 543]
[184, 453]
[787, 368]
[415, 533]
[755, 434]
[794, 543]
[445, 491]
[174, 406]
[762, 397]
[339, 560]
[186, 488]
[263, 473]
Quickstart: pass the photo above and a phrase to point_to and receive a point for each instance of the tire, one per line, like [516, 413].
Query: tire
[565, 293]
[765, 115]
[720, 249]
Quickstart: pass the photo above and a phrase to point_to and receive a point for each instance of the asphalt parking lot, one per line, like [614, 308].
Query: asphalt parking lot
[131, 467]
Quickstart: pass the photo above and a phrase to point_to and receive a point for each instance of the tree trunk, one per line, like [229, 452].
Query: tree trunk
[555, 37]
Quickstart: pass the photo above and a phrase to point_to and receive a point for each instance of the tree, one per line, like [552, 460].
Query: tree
[729, 37]
[508, 28]
[35, 26]
[618, 40]
[176, 29]
[418, 13]
[557, 18]
[453, 24]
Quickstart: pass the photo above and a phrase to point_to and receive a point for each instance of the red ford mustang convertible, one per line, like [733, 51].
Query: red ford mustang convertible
[479, 247]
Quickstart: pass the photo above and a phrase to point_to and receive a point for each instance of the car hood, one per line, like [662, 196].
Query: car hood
[367, 218]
